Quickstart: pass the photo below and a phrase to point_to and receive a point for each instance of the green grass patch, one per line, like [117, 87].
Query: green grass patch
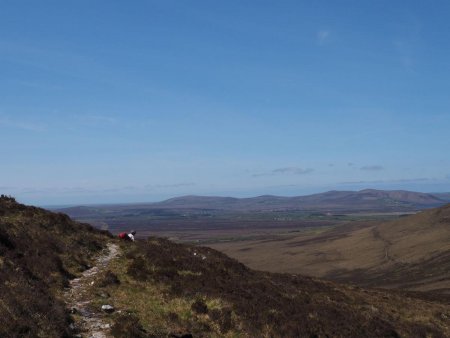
[159, 312]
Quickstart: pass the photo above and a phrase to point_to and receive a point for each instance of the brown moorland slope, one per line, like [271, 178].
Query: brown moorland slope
[411, 252]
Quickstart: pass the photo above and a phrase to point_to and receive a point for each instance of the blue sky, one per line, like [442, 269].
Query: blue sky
[115, 101]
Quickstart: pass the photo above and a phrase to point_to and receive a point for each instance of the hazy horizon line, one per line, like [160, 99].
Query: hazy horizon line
[71, 205]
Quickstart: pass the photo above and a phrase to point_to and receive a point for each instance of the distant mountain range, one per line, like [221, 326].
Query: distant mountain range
[368, 200]
[364, 200]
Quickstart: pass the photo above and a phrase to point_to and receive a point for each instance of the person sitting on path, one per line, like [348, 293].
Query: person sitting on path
[131, 235]
[127, 236]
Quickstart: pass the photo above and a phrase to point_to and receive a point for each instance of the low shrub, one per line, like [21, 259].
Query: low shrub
[199, 307]
[128, 326]
[109, 278]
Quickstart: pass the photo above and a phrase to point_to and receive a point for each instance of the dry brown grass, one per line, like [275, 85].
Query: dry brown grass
[411, 253]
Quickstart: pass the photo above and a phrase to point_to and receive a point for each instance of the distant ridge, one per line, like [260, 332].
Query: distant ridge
[364, 200]
[334, 202]
[445, 196]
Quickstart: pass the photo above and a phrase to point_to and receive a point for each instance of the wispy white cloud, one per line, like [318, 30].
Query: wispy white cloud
[8, 122]
[38, 85]
[93, 119]
[83, 190]
[293, 170]
[405, 52]
[372, 168]
[169, 186]
[407, 41]
[261, 174]
[402, 180]
[322, 36]
[286, 171]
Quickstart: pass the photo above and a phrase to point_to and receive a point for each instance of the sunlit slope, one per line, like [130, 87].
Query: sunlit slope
[411, 252]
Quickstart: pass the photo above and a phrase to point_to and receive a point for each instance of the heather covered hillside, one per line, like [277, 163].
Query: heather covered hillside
[170, 287]
[39, 252]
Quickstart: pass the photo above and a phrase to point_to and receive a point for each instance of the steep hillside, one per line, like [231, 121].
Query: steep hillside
[39, 252]
[416, 252]
[412, 252]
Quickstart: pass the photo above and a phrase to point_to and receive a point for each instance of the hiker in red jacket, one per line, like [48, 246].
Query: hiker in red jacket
[127, 236]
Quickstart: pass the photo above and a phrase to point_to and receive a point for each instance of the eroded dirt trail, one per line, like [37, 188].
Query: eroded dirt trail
[89, 322]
